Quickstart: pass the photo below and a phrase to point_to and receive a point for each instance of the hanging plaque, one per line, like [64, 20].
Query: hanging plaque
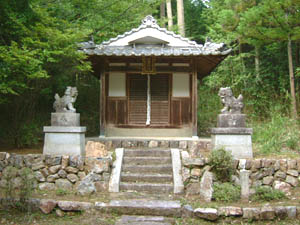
[148, 66]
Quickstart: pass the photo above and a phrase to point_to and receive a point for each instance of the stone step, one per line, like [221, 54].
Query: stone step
[141, 207]
[144, 220]
[147, 187]
[146, 160]
[164, 169]
[147, 153]
[149, 178]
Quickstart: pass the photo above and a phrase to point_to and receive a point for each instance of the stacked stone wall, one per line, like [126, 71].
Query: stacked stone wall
[282, 174]
[72, 173]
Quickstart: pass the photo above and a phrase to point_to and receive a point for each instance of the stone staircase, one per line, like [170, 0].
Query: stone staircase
[147, 170]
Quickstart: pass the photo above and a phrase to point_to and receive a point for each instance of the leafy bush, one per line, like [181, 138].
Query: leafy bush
[267, 194]
[276, 134]
[17, 195]
[221, 164]
[226, 192]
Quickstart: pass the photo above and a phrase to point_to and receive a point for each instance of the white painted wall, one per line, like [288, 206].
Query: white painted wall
[117, 84]
[181, 85]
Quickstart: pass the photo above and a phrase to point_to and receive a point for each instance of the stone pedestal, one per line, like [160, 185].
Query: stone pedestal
[64, 136]
[61, 140]
[238, 141]
[65, 119]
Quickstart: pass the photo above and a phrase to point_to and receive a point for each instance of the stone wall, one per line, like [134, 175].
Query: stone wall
[72, 173]
[194, 146]
[282, 174]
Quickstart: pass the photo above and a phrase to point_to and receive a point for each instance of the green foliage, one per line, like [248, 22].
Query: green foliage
[226, 192]
[18, 187]
[221, 163]
[276, 134]
[267, 194]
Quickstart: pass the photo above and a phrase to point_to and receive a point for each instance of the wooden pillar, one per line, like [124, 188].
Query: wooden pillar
[102, 104]
[194, 99]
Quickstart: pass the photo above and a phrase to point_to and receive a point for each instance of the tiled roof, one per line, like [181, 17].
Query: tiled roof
[190, 48]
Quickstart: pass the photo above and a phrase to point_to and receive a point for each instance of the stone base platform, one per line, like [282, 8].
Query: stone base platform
[153, 142]
[238, 141]
[61, 140]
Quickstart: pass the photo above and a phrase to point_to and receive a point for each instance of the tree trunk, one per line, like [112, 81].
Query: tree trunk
[162, 13]
[292, 79]
[297, 54]
[257, 62]
[169, 14]
[180, 17]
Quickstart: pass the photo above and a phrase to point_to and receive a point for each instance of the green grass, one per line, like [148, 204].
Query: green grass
[276, 135]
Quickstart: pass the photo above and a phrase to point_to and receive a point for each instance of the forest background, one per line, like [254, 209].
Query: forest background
[39, 57]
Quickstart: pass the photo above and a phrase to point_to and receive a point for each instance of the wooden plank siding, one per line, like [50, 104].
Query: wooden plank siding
[131, 110]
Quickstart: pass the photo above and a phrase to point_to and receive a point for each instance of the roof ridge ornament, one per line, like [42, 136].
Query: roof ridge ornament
[149, 21]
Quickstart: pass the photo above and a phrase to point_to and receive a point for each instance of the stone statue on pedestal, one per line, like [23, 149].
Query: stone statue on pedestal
[65, 136]
[231, 133]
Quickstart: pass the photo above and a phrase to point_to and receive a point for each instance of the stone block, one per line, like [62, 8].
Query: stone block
[239, 145]
[77, 161]
[74, 206]
[283, 165]
[39, 176]
[63, 184]
[72, 177]
[280, 212]
[153, 144]
[97, 165]
[251, 213]
[206, 186]
[230, 211]
[182, 144]
[192, 189]
[52, 178]
[268, 180]
[206, 213]
[174, 144]
[245, 185]
[71, 169]
[291, 212]
[52, 160]
[231, 120]
[54, 169]
[196, 172]
[101, 186]
[187, 211]
[292, 180]
[292, 164]
[47, 186]
[192, 162]
[64, 140]
[2, 155]
[164, 144]
[256, 164]
[282, 186]
[129, 144]
[64, 161]
[280, 175]
[47, 205]
[95, 149]
[62, 173]
[293, 173]
[65, 119]
[267, 213]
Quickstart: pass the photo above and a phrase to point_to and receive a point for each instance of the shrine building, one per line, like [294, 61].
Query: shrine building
[149, 79]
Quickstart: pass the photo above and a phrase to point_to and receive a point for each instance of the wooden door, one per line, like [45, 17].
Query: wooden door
[137, 96]
[160, 100]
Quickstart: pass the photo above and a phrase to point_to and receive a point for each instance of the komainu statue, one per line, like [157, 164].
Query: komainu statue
[65, 104]
[231, 104]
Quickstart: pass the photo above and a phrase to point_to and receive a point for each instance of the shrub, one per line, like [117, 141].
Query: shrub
[226, 192]
[267, 194]
[221, 164]
[25, 187]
